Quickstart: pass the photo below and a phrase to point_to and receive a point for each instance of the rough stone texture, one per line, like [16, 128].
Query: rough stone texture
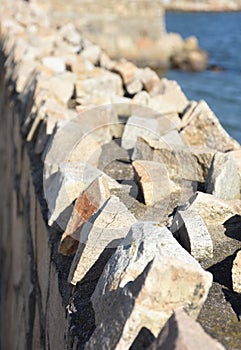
[182, 162]
[182, 332]
[223, 179]
[191, 232]
[106, 229]
[154, 180]
[88, 203]
[133, 307]
[236, 273]
[203, 129]
[137, 126]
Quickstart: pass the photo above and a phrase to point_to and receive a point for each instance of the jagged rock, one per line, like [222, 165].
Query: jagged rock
[70, 34]
[223, 179]
[91, 54]
[148, 256]
[154, 180]
[170, 100]
[191, 232]
[134, 87]
[63, 187]
[169, 122]
[56, 64]
[203, 129]
[88, 203]
[96, 81]
[106, 229]
[182, 332]
[236, 273]
[182, 162]
[237, 160]
[126, 70]
[137, 126]
[142, 98]
[212, 210]
[149, 79]
[106, 62]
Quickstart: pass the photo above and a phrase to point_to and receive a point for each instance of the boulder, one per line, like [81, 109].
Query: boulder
[126, 70]
[56, 64]
[203, 129]
[182, 162]
[154, 181]
[105, 229]
[171, 99]
[91, 54]
[137, 126]
[214, 211]
[147, 277]
[236, 273]
[150, 80]
[87, 204]
[223, 179]
[191, 232]
[182, 332]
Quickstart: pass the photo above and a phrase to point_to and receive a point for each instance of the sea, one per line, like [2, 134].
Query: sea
[220, 35]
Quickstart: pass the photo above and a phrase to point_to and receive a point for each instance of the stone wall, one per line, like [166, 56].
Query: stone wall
[116, 208]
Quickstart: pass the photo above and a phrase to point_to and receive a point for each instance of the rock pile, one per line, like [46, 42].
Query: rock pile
[130, 166]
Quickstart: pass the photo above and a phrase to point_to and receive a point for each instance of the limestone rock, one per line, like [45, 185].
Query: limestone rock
[236, 273]
[170, 100]
[182, 332]
[91, 53]
[56, 64]
[70, 34]
[203, 129]
[212, 210]
[154, 180]
[142, 98]
[106, 229]
[88, 203]
[62, 188]
[137, 126]
[237, 160]
[126, 70]
[191, 232]
[223, 179]
[149, 79]
[134, 87]
[182, 162]
[132, 286]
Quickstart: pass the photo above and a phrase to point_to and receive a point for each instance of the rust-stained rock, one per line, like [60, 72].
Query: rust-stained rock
[87, 204]
[104, 230]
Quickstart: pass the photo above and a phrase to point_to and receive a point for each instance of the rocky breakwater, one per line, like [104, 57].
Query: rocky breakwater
[203, 5]
[134, 29]
[141, 185]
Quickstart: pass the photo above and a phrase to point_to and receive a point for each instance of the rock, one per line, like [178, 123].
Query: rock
[191, 232]
[154, 180]
[236, 273]
[203, 129]
[63, 187]
[137, 126]
[96, 81]
[182, 332]
[142, 98]
[237, 160]
[170, 100]
[132, 277]
[91, 54]
[56, 64]
[106, 229]
[126, 70]
[134, 87]
[169, 122]
[223, 179]
[106, 62]
[70, 34]
[212, 210]
[149, 79]
[87, 204]
[182, 162]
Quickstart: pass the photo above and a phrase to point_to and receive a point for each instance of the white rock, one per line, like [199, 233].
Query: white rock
[56, 64]
[192, 233]
[223, 179]
[137, 126]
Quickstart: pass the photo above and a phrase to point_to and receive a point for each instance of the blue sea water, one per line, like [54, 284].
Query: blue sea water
[220, 35]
